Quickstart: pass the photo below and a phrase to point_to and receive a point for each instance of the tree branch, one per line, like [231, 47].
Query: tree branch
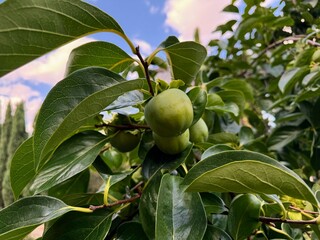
[128, 200]
[271, 220]
[146, 70]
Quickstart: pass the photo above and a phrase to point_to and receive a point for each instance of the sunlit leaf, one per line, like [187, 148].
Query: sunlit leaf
[246, 172]
[26, 26]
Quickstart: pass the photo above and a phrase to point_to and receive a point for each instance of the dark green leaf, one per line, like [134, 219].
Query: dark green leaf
[282, 136]
[131, 231]
[245, 135]
[246, 172]
[223, 137]
[75, 103]
[215, 149]
[27, 25]
[22, 167]
[76, 184]
[102, 54]
[233, 96]
[212, 203]
[231, 8]
[157, 160]
[148, 205]
[72, 157]
[214, 233]
[26, 214]
[83, 199]
[239, 85]
[76, 226]
[180, 214]
[198, 98]
[244, 216]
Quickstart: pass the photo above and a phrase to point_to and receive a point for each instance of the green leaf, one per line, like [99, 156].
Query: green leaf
[185, 58]
[148, 205]
[239, 85]
[198, 99]
[131, 231]
[24, 215]
[246, 135]
[75, 102]
[214, 233]
[156, 160]
[246, 172]
[231, 8]
[71, 158]
[282, 136]
[212, 203]
[233, 96]
[215, 149]
[77, 225]
[27, 25]
[83, 199]
[101, 54]
[22, 167]
[244, 216]
[75, 185]
[290, 78]
[223, 137]
[180, 214]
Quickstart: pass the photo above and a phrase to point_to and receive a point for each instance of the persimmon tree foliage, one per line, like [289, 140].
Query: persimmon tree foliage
[240, 178]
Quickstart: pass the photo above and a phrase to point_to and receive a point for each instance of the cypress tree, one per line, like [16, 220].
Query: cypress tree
[17, 136]
[5, 137]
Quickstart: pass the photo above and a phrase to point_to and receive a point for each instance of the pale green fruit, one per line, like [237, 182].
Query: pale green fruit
[199, 132]
[125, 141]
[170, 113]
[172, 145]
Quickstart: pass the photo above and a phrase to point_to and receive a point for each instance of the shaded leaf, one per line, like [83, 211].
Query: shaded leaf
[212, 203]
[131, 231]
[180, 214]
[244, 216]
[156, 160]
[24, 215]
[102, 54]
[73, 103]
[22, 167]
[282, 136]
[148, 205]
[214, 233]
[198, 99]
[77, 225]
[27, 25]
[246, 172]
[290, 78]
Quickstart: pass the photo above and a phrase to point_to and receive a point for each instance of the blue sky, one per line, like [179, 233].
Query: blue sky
[146, 22]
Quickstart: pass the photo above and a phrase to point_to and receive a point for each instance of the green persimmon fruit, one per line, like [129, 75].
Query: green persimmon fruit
[172, 145]
[199, 132]
[126, 141]
[170, 113]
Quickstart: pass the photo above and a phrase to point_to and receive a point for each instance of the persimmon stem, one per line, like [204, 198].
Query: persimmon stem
[123, 201]
[269, 220]
[124, 127]
[146, 69]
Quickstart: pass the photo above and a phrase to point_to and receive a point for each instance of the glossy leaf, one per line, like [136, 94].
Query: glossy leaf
[76, 184]
[180, 214]
[72, 157]
[22, 168]
[73, 103]
[156, 160]
[77, 225]
[20, 218]
[215, 149]
[198, 98]
[148, 205]
[131, 231]
[185, 58]
[102, 54]
[290, 77]
[214, 233]
[27, 25]
[244, 216]
[246, 172]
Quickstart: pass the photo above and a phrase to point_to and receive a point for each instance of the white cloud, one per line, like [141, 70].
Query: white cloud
[145, 47]
[48, 69]
[184, 16]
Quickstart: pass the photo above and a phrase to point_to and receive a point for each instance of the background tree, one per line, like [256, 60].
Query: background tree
[17, 136]
[5, 137]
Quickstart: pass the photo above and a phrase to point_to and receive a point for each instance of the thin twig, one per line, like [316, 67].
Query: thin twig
[124, 127]
[146, 70]
[128, 200]
[269, 220]
[301, 210]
